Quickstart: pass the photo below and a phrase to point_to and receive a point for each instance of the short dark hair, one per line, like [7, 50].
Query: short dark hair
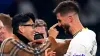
[66, 7]
[20, 19]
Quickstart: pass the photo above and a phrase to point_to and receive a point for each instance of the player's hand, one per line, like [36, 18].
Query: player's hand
[53, 31]
[49, 53]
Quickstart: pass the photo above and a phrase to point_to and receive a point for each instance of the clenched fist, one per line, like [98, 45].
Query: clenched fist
[53, 31]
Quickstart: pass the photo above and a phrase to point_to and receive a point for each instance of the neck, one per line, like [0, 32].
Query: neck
[8, 35]
[75, 28]
[22, 38]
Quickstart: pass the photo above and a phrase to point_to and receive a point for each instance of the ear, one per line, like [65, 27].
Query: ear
[58, 15]
[70, 19]
[21, 29]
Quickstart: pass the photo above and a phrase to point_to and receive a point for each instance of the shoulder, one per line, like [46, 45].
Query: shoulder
[88, 32]
[6, 41]
[88, 35]
[85, 34]
[6, 45]
[85, 37]
[10, 43]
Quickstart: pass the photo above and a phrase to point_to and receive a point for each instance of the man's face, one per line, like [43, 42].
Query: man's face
[2, 31]
[63, 21]
[42, 30]
[28, 30]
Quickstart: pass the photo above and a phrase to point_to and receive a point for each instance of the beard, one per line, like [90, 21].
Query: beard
[65, 27]
[66, 30]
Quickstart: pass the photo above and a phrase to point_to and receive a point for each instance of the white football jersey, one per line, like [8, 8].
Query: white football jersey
[83, 44]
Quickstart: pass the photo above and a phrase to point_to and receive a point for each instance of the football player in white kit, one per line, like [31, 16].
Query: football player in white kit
[84, 40]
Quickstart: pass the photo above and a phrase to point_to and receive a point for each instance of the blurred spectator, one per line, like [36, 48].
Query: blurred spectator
[2, 31]
[6, 22]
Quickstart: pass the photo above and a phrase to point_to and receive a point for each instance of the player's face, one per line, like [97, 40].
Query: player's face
[62, 21]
